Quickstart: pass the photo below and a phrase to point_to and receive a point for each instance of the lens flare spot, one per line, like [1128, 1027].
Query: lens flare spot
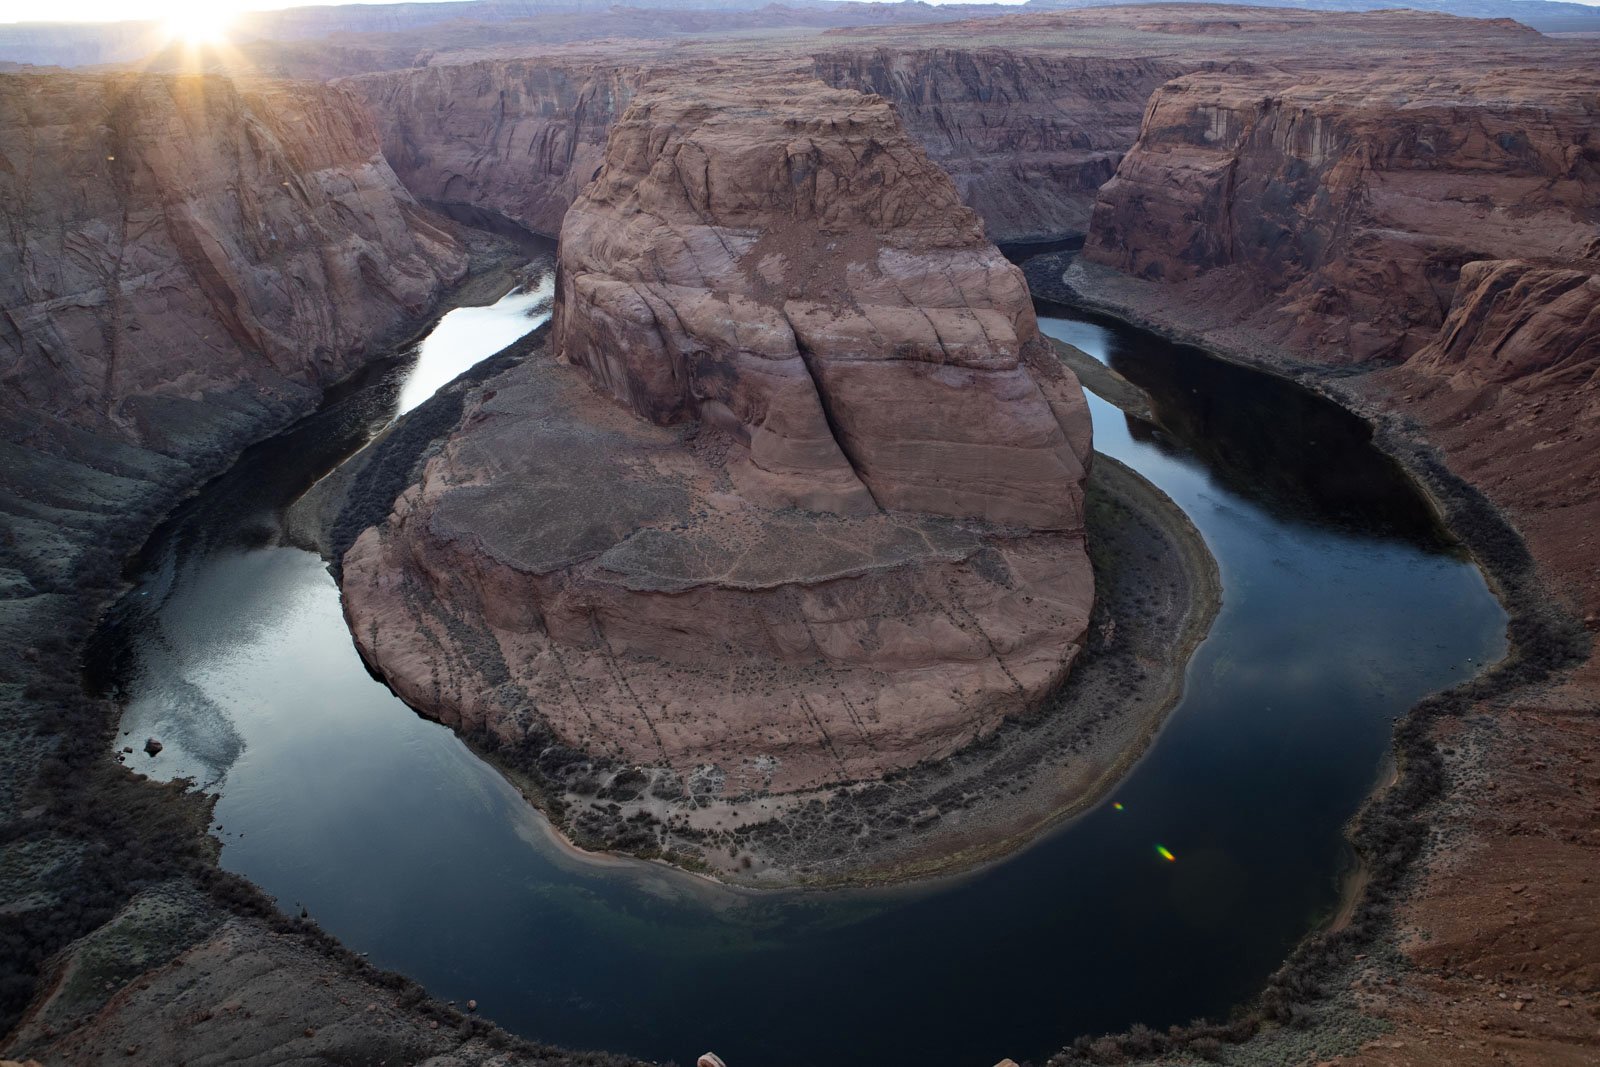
[1165, 853]
[1117, 805]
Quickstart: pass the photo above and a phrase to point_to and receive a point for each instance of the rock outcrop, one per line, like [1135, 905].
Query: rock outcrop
[1333, 213]
[1027, 136]
[184, 261]
[1533, 326]
[798, 498]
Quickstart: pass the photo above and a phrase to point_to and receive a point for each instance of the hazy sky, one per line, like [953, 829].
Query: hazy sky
[117, 10]
[99, 10]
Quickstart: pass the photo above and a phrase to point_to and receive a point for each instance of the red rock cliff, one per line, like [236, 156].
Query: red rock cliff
[167, 236]
[799, 503]
[1028, 137]
[184, 264]
[518, 137]
[1334, 212]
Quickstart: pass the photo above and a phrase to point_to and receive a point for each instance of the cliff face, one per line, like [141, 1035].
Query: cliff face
[168, 236]
[1027, 138]
[1446, 227]
[798, 501]
[1335, 214]
[815, 288]
[183, 262]
[1440, 229]
[519, 137]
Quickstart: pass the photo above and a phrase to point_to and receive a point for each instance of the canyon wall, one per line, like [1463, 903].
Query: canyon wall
[1442, 227]
[184, 261]
[1027, 137]
[1029, 114]
[518, 137]
[793, 495]
[1333, 213]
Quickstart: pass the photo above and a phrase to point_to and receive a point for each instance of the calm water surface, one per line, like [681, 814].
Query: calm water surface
[1342, 606]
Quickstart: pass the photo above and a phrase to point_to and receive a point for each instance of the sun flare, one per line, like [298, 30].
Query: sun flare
[198, 23]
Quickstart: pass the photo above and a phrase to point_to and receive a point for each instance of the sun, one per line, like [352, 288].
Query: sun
[198, 23]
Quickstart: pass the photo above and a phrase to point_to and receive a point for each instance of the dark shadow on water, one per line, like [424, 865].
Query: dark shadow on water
[1296, 454]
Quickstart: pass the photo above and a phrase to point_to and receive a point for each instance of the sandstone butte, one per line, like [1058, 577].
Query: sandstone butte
[799, 497]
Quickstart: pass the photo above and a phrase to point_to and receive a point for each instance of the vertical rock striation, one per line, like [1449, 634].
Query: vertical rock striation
[795, 499]
[517, 137]
[184, 262]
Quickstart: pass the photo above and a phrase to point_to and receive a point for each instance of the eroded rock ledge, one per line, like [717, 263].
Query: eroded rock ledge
[792, 496]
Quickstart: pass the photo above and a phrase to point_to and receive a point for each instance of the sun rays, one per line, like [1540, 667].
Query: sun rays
[191, 23]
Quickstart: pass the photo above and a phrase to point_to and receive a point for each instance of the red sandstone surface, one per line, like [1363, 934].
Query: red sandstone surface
[807, 507]
[167, 236]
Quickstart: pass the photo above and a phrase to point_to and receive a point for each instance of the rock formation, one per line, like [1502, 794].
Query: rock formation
[517, 137]
[801, 500]
[1334, 213]
[1027, 136]
[1434, 233]
[184, 261]
[1029, 114]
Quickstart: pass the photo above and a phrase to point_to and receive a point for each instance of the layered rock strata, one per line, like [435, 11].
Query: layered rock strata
[1333, 213]
[518, 137]
[184, 263]
[1444, 228]
[795, 499]
[1028, 137]
[1028, 113]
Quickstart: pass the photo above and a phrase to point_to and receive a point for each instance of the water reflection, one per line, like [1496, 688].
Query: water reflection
[1337, 615]
[1284, 449]
[464, 335]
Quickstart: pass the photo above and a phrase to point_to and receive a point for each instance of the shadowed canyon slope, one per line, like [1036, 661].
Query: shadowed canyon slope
[181, 259]
[798, 501]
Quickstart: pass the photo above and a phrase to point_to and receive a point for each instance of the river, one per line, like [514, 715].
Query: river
[1342, 605]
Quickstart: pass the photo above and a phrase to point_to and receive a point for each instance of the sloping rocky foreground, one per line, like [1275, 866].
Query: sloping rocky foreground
[794, 496]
